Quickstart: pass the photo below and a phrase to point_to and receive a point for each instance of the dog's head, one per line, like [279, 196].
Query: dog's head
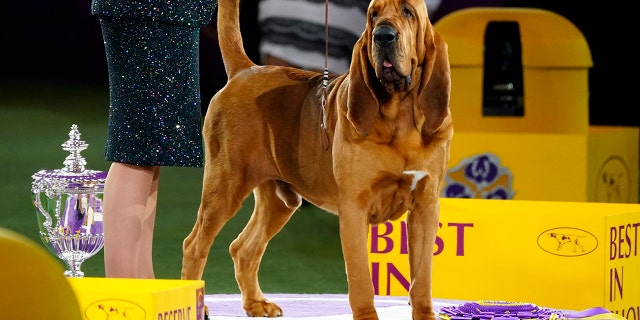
[398, 53]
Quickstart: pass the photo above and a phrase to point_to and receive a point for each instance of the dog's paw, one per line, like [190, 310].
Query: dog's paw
[263, 309]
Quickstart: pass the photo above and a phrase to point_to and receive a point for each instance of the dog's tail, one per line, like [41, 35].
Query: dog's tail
[230, 39]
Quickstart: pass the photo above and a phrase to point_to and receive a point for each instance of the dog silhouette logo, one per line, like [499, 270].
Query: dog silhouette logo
[114, 309]
[567, 241]
[613, 181]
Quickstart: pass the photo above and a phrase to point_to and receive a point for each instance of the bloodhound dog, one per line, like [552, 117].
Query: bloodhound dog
[368, 145]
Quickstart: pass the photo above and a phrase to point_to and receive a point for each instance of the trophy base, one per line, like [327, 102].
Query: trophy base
[73, 272]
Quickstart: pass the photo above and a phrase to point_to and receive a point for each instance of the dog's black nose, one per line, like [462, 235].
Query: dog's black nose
[384, 36]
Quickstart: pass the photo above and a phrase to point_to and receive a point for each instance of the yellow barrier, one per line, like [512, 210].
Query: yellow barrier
[564, 255]
[600, 166]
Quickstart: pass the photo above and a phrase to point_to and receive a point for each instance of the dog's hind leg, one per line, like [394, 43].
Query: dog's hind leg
[275, 203]
[222, 197]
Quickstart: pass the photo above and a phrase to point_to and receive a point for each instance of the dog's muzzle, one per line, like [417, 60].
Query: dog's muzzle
[385, 38]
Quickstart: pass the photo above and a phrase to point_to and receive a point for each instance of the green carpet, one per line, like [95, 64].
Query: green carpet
[35, 120]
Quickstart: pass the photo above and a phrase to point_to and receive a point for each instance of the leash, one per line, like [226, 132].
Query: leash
[325, 78]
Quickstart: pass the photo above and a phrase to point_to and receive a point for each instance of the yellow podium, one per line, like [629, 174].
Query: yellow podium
[139, 299]
[519, 101]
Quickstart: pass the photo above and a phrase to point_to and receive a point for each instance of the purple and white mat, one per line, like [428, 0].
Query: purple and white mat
[314, 306]
[336, 307]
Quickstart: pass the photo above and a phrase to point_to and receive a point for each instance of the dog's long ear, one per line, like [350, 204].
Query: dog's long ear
[362, 104]
[435, 85]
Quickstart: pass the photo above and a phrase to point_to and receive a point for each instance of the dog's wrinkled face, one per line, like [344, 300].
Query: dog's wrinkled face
[393, 29]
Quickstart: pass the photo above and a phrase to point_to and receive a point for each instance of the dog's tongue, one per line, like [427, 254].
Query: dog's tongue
[387, 64]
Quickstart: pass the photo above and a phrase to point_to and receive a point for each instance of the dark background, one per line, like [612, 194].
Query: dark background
[60, 42]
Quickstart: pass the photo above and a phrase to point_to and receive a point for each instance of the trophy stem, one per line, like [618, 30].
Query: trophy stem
[74, 269]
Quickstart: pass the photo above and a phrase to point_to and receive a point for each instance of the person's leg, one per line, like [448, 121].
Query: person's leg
[145, 263]
[129, 212]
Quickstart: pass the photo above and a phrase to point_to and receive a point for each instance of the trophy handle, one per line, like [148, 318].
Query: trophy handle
[37, 203]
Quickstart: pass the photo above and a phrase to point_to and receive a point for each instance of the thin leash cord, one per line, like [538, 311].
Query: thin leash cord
[325, 79]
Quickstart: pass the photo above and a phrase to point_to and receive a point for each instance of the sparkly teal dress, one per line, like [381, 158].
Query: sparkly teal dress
[154, 84]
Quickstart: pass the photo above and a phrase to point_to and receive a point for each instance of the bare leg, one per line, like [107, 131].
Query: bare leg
[130, 197]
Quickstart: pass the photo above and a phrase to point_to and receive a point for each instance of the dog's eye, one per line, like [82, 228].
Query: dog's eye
[406, 11]
[374, 15]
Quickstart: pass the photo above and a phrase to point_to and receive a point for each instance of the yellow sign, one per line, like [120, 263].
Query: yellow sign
[565, 255]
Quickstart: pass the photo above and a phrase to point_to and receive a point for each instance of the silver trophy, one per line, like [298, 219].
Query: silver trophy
[68, 204]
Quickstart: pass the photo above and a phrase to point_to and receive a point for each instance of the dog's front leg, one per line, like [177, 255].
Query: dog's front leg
[422, 226]
[353, 236]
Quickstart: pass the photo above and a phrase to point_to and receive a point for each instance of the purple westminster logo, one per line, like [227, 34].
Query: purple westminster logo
[480, 177]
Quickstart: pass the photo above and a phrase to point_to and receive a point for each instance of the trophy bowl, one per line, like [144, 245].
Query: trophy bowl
[68, 205]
